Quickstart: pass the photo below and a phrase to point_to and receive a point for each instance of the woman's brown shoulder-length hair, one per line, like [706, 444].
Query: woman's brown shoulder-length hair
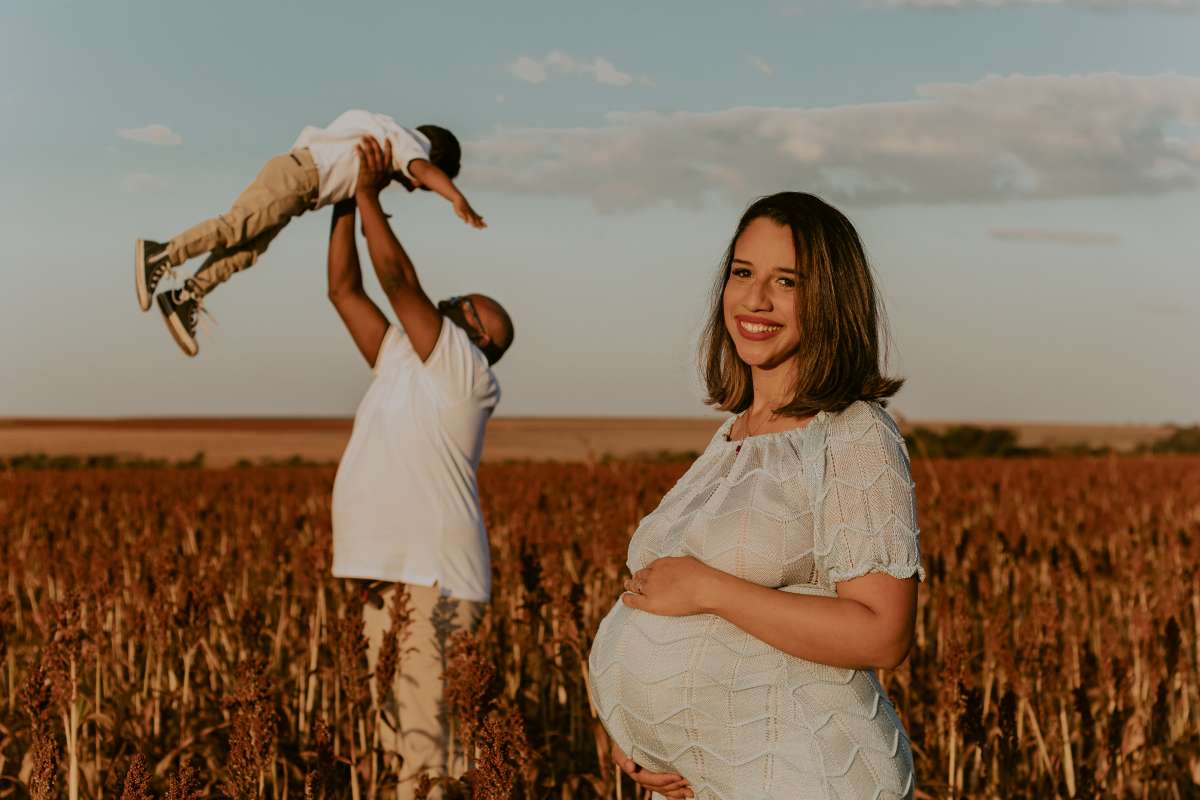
[838, 310]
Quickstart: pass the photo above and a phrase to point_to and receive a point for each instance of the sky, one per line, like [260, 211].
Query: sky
[1025, 175]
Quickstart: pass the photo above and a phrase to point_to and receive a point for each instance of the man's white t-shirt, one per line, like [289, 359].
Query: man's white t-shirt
[334, 150]
[405, 500]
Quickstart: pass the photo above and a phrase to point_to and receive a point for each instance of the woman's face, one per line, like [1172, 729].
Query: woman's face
[760, 295]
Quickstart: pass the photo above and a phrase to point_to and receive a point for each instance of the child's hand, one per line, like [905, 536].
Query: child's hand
[467, 214]
[374, 165]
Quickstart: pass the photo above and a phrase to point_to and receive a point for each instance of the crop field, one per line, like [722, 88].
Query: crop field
[176, 633]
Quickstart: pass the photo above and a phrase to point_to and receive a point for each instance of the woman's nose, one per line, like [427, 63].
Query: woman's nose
[759, 296]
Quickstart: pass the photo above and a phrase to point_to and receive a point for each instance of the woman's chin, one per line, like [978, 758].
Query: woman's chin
[763, 357]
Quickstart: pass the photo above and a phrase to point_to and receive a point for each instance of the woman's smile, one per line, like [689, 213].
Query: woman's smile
[757, 329]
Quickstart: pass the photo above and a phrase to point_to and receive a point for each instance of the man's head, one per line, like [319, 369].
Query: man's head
[485, 321]
[444, 151]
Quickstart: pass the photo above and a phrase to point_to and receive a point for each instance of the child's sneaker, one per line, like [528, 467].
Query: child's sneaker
[151, 265]
[181, 311]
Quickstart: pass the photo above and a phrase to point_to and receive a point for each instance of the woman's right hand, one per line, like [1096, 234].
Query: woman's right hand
[668, 784]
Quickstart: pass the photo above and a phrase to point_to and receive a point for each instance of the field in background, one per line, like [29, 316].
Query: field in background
[179, 631]
[224, 442]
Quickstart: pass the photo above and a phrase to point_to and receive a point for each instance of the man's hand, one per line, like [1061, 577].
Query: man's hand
[668, 784]
[467, 214]
[374, 166]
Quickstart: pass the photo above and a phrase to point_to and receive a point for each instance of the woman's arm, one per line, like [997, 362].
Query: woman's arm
[364, 320]
[869, 624]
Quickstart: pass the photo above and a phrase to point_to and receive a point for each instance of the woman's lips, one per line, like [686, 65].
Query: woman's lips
[757, 329]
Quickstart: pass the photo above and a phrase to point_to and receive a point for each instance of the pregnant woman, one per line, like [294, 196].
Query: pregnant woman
[781, 570]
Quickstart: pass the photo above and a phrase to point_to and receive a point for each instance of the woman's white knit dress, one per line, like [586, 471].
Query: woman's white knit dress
[798, 511]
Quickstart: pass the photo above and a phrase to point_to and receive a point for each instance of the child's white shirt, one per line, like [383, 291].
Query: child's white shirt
[333, 150]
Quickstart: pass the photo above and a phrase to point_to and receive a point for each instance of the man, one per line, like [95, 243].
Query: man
[405, 501]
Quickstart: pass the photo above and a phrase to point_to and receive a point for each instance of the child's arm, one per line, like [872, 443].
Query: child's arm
[432, 177]
[364, 320]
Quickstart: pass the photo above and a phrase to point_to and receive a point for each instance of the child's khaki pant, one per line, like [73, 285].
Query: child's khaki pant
[416, 701]
[286, 187]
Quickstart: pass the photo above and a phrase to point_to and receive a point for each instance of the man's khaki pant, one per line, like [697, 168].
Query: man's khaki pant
[286, 187]
[416, 701]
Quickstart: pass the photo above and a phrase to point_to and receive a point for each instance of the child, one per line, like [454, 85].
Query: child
[321, 169]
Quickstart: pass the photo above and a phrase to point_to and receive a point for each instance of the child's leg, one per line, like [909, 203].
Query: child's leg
[285, 187]
[221, 264]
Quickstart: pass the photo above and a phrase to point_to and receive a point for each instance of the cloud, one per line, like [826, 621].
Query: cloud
[151, 134]
[559, 64]
[1175, 6]
[1055, 236]
[999, 138]
[761, 65]
[141, 182]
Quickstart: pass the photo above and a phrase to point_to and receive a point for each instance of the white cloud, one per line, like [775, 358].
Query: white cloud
[761, 65]
[995, 139]
[560, 64]
[1176, 6]
[528, 70]
[141, 182]
[1055, 236]
[151, 134]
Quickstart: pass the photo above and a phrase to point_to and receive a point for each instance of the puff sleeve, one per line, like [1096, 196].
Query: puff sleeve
[866, 518]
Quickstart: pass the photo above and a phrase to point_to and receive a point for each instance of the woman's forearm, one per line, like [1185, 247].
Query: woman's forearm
[838, 631]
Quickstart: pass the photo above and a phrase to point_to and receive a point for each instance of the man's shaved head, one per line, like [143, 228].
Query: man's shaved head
[492, 332]
[497, 323]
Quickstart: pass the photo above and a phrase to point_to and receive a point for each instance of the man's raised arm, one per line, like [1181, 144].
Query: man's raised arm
[419, 316]
[364, 320]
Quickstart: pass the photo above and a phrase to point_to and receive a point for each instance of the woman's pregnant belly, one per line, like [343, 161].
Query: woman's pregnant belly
[738, 718]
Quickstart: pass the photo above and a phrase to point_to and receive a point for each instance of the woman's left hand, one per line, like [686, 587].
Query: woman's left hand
[673, 586]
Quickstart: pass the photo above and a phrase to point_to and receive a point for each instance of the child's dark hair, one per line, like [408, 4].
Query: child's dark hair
[444, 150]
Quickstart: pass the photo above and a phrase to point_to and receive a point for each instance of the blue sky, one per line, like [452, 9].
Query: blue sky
[1026, 176]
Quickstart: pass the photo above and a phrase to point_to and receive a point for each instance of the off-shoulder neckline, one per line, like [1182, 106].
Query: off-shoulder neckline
[723, 439]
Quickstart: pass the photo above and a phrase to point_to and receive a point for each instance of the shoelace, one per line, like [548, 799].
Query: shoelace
[200, 315]
[163, 270]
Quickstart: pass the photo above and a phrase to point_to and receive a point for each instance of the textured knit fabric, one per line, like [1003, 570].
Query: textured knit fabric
[798, 511]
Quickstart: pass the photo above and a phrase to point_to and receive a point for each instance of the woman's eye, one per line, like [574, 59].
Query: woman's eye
[787, 283]
[741, 272]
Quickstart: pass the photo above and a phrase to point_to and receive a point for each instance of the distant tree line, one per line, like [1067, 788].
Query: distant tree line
[967, 441]
[972, 441]
[1180, 440]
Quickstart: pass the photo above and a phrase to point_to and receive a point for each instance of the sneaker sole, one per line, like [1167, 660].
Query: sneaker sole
[186, 342]
[139, 277]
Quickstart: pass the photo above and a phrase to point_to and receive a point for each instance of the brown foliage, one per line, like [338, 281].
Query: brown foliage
[190, 617]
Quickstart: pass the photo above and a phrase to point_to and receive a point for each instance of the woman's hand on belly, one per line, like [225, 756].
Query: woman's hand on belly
[672, 586]
[668, 784]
